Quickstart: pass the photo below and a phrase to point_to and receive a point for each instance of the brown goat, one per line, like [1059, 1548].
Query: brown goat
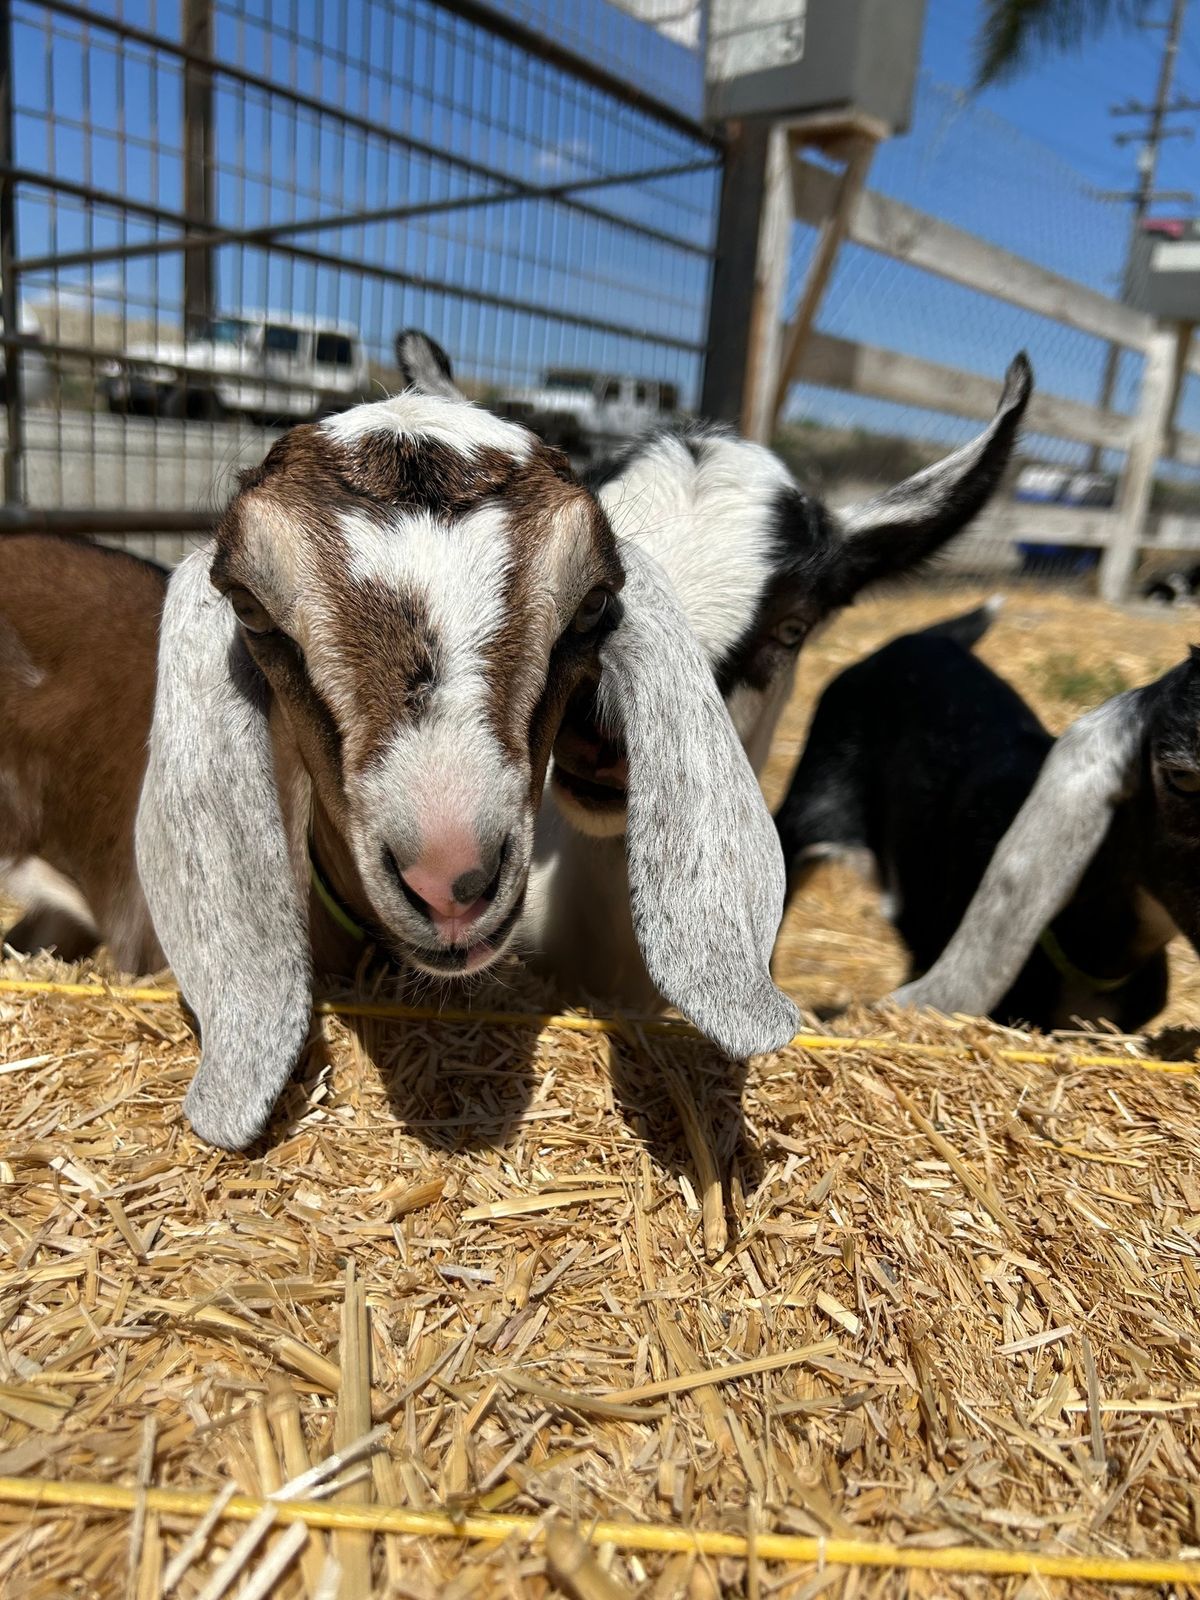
[78, 636]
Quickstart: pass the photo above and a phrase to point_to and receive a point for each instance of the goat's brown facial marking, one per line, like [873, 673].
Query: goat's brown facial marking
[423, 585]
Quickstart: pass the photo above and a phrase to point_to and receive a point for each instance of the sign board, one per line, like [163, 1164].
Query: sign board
[783, 58]
[1165, 278]
[679, 20]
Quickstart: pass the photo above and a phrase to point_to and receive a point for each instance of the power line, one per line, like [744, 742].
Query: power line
[1150, 138]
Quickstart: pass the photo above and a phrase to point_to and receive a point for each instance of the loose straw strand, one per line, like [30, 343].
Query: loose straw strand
[573, 1022]
[633, 1536]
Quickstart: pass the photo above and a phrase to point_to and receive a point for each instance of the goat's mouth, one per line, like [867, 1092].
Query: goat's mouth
[456, 960]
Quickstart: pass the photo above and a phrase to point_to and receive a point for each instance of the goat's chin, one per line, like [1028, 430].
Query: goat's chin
[597, 822]
[466, 963]
[598, 810]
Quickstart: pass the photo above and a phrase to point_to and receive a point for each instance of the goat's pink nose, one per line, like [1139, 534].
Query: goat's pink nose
[440, 889]
[452, 887]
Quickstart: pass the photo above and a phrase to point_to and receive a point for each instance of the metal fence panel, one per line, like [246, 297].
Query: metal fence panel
[356, 166]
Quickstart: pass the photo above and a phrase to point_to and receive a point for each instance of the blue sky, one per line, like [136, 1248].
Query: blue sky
[1021, 165]
[1024, 165]
[1064, 101]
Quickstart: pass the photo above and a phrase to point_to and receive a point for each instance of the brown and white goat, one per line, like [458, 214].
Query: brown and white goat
[756, 564]
[367, 667]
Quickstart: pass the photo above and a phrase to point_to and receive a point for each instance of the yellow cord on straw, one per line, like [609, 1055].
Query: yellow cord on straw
[574, 1022]
[45, 1492]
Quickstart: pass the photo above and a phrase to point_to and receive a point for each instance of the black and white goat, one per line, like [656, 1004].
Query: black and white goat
[755, 564]
[1176, 586]
[1065, 865]
[358, 684]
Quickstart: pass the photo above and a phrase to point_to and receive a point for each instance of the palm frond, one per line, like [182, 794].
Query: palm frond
[1012, 31]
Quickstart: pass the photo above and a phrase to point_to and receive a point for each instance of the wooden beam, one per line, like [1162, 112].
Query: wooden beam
[906, 234]
[199, 168]
[731, 300]
[1184, 333]
[1027, 522]
[1174, 532]
[1185, 448]
[888, 375]
[820, 269]
[770, 287]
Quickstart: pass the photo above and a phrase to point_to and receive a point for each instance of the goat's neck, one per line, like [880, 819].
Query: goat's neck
[309, 828]
[578, 926]
[336, 950]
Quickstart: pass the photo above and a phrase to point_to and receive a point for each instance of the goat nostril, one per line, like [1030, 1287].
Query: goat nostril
[438, 899]
[419, 905]
[481, 883]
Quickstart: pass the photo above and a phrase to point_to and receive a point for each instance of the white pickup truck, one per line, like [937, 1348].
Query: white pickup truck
[581, 411]
[267, 366]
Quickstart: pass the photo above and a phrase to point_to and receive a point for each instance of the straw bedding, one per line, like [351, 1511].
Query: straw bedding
[866, 1293]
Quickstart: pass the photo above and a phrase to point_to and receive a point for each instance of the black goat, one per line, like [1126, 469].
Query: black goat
[1065, 866]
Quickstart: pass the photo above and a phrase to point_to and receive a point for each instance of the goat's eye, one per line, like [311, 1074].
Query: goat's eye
[1182, 780]
[790, 633]
[250, 612]
[591, 613]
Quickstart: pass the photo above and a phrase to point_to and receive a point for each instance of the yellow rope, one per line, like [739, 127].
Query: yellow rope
[575, 1022]
[44, 1492]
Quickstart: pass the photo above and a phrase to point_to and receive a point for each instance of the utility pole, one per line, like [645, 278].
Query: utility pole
[1143, 197]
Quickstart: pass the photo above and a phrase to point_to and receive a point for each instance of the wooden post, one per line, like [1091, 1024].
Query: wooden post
[757, 416]
[10, 293]
[1166, 362]
[199, 289]
[858, 150]
[731, 297]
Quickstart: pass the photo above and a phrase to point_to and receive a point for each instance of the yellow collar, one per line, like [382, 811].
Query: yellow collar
[330, 900]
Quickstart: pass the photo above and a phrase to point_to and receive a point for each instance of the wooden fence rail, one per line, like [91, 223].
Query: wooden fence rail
[838, 204]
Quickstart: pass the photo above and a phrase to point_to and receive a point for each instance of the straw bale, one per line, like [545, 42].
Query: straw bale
[863, 1293]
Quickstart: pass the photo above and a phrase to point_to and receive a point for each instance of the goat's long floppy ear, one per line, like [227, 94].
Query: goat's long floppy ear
[214, 864]
[897, 530]
[424, 365]
[1040, 860]
[705, 869]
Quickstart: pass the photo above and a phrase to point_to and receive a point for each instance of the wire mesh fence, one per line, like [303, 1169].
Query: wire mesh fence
[219, 213]
[967, 167]
[224, 212]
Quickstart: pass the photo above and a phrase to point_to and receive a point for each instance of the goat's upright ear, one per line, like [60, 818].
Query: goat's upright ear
[214, 864]
[1039, 862]
[896, 531]
[424, 365]
[705, 869]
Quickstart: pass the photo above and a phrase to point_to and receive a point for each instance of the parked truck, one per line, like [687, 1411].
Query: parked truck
[581, 411]
[273, 367]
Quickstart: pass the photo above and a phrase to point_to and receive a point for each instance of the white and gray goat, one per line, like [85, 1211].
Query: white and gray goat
[358, 684]
[755, 564]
